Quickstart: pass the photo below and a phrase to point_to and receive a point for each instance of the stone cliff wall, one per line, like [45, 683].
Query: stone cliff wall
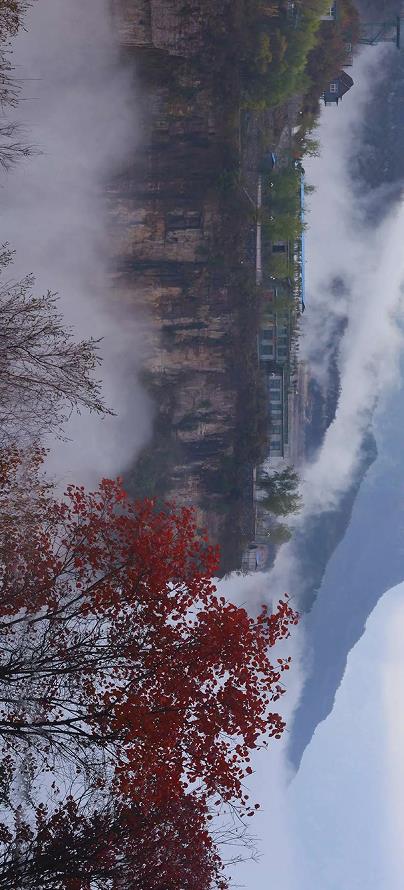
[167, 233]
[176, 27]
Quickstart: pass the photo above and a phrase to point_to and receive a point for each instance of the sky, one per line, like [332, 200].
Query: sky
[342, 244]
[347, 798]
[337, 824]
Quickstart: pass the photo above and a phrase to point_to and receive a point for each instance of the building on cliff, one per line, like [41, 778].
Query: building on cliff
[283, 302]
[331, 13]
[301, 245]
[274, 346]
[337, 88]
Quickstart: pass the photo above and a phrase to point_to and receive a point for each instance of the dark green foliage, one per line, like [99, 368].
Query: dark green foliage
[281, 491]
[280, 534]
[329, 54]
[275, 67]
[282, 208]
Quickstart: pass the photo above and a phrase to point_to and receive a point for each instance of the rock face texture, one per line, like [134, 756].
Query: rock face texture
[168, 239]
[176, 27]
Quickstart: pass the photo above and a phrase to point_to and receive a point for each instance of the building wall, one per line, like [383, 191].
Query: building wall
[279, 299]
[276, 406]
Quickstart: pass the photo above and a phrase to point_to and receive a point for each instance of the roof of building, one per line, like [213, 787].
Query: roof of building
[345, 81]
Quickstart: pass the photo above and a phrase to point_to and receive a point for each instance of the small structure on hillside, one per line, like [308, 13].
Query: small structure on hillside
[331, 14]
[389, 31]
[337, 87]
[348, 61]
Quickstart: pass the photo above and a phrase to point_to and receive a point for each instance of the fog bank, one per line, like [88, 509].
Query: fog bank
[79, 111]
[343, 244]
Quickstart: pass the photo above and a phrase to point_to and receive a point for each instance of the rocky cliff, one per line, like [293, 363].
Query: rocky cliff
[177, 235]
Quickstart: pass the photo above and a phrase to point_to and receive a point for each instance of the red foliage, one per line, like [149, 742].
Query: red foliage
[72, 849]
[124, 647]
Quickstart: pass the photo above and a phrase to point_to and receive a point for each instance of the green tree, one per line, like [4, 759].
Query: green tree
[281, 491]
[280, 534]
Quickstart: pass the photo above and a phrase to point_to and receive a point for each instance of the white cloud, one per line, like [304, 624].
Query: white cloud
[79, 109]
[339, 822]
[341, 243]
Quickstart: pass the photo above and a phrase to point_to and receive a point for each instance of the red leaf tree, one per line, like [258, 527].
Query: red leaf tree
[167, 848]
[117, 652]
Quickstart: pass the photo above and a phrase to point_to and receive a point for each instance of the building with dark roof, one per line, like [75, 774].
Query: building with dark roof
[337, 87]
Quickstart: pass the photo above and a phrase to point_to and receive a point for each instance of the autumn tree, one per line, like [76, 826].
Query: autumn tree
[118, 655]
[114, 847]
[45, 374]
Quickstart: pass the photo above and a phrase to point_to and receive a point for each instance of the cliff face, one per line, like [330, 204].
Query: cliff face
[175, 27]
[175, 250]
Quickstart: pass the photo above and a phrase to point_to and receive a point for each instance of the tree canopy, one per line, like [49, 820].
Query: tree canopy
[119, 661]
[281, 489]
[119, 848]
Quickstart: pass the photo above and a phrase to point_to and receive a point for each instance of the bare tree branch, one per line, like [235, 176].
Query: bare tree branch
[13, 148]
[45, 375]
